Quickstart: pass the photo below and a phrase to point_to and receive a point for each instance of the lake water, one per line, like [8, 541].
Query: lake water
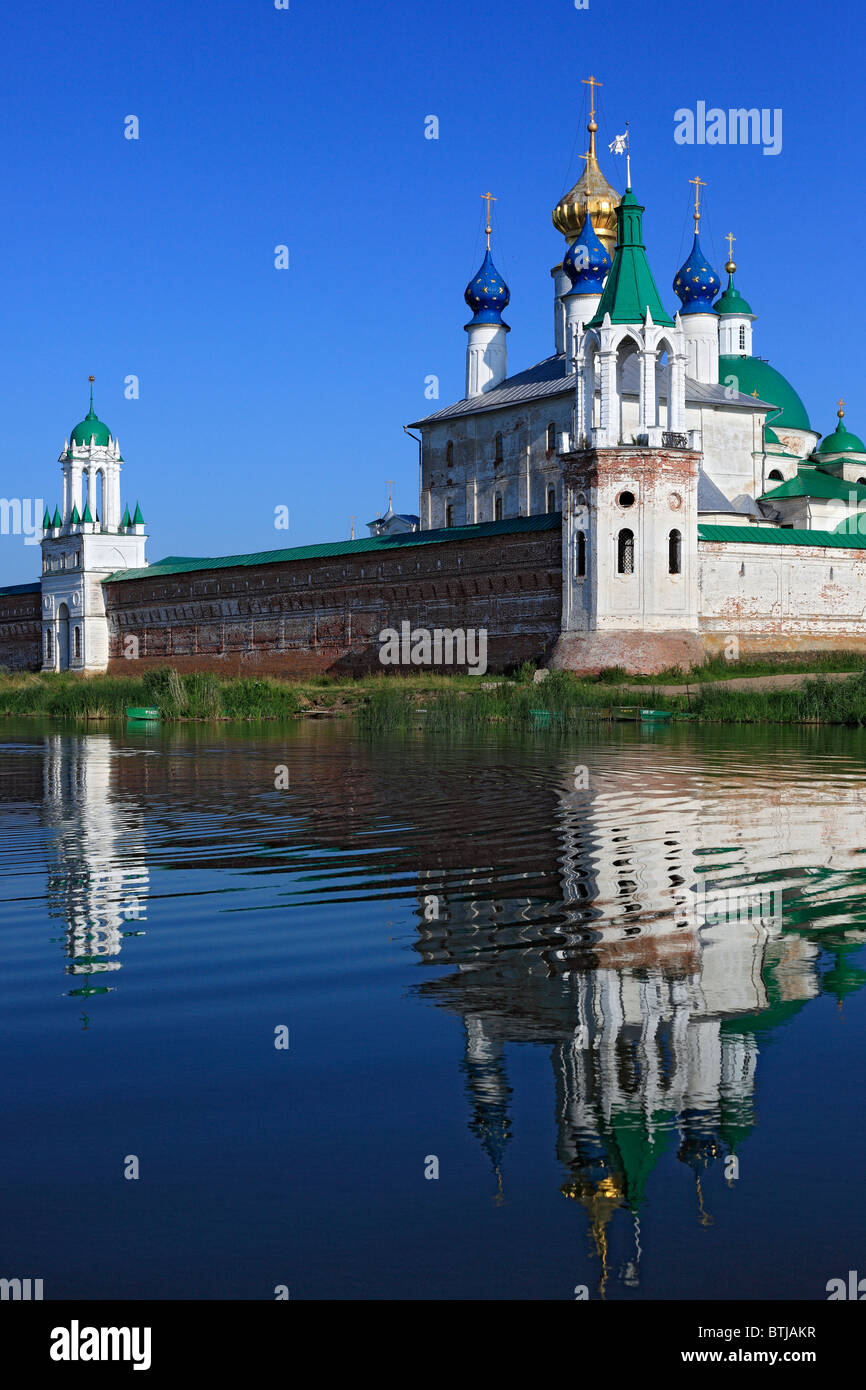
[611, 989]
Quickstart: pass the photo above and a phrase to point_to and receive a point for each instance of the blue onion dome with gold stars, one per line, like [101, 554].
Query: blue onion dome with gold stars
[487, 294]
[587, 261]
[696, 283]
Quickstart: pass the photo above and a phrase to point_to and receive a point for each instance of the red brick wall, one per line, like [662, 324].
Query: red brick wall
[21, 631]
[324, 615]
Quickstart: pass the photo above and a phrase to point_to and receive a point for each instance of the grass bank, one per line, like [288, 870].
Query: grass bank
[562, 701]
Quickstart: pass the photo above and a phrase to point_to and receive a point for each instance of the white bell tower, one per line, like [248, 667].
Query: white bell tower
[83, 543]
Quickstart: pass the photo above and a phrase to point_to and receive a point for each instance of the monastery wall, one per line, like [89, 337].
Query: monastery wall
[778, 598]
[324, 615]
[21, 630]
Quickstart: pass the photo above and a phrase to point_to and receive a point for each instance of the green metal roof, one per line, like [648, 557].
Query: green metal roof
[732, 302]
[841, 441]
[755, 377]
[630, 288]
[550, 521]
[814, 482]
[783, 535]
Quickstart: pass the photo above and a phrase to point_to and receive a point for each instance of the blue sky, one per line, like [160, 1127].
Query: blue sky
[262, 388]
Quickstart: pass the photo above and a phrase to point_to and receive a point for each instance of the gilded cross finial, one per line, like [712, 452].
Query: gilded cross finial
[731, 264]
[841, 411]
[591, 82]
[91, 379]
[699, 184]
[488, 198]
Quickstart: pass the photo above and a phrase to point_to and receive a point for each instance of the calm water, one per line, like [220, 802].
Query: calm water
[489, 953]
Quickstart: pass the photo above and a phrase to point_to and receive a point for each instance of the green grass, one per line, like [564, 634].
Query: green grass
[437, 702]
[718, 668]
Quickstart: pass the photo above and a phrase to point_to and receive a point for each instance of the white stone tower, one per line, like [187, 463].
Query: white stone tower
[735, 317]
[83, 543]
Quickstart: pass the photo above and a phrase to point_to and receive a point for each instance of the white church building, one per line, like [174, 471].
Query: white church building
[696, 498]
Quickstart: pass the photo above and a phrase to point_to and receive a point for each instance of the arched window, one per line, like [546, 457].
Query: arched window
[675, 553]
[551, 438]
[497, 507]
[861, 482]
[49, 647]
[742, 337]
[581, 554]
[449, 514]
[775, 476]
[497, 447]
[76, 643]
[625, 552]
[449, 453]
[551, 499]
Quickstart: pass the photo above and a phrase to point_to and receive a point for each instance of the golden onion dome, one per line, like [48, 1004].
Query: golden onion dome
[592, 191]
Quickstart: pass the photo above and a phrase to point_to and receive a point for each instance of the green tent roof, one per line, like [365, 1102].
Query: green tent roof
[138, 519]
[630, 288]
[754, 377]
[58, 519]
[88, 515]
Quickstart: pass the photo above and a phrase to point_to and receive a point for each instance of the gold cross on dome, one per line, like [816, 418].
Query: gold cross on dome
[699, 183]
[591, 82]
[730, 239]
[841, 410]
[488, 198]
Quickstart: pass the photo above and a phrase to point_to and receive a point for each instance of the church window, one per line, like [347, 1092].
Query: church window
[497, 446]
[675, 552]
[449, 514]
[626, 499]
[551, 438]
[775, 476]
[551, 499]
[861, 482]
[581, 554]
[497, 507]
[76, 643]
[742, 337]
[449, 453]
[625, 552]
[48, 646]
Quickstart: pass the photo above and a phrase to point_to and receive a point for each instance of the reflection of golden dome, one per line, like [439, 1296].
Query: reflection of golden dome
[592, 189]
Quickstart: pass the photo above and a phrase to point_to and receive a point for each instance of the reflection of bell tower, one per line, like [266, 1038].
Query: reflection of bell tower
[97, 874]
[490, 1091]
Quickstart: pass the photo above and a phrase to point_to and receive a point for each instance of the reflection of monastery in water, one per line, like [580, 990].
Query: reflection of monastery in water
[655, 1016]
[575, 924]
[97, 875]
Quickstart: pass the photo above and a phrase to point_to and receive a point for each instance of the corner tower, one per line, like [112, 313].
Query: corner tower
[81, 544]
[630, 484]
